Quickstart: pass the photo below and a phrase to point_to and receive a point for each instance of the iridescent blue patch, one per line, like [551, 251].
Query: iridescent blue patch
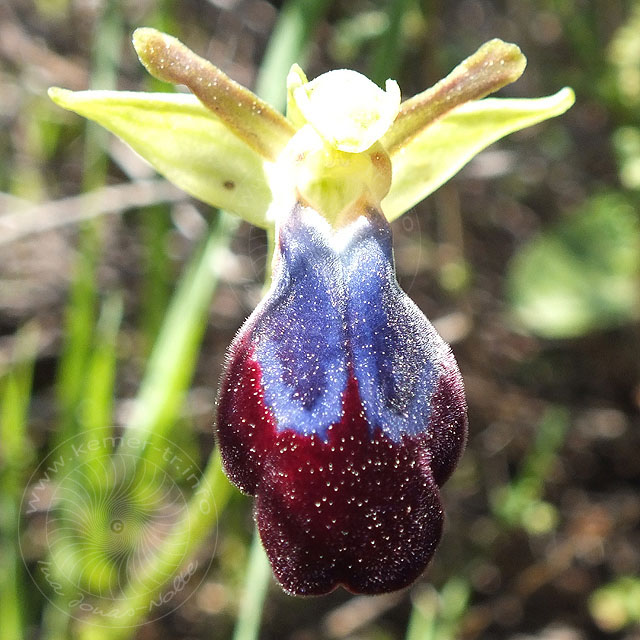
[300, 343]
[342, 411]
[336, 306]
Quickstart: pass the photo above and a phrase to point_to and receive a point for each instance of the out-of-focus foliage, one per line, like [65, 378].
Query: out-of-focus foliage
[582, 275]
[617, 605]
[520, 503]
[624, 56]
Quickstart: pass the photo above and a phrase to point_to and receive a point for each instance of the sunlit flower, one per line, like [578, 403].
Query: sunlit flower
[341, 409]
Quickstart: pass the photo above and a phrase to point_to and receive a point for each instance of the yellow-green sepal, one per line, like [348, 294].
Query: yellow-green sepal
[442, 148]
[185, 142]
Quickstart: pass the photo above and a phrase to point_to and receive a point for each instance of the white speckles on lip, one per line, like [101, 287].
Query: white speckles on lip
[349, 496]
[337, 415]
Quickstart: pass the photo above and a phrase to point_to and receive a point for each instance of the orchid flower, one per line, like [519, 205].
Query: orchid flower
[341, 409]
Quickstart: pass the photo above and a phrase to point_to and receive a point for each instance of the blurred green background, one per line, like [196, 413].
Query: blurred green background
[119, 296]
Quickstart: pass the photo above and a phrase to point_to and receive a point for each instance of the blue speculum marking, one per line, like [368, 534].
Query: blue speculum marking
[336, 308]
[300, 340]
[342, 411]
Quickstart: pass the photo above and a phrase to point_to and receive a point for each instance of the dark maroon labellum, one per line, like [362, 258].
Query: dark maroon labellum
[342, 410]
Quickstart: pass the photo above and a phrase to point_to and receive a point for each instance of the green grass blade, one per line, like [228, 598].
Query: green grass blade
[437, 616]
[175, 353]
[288, 44]
[80, 316]
[97, 406]
[204, 508]
[387, 57]
[422, 621]
[257, 580]
[15, 405]
[154, 227]
[101, 371]
[520, 502]
[15, 454]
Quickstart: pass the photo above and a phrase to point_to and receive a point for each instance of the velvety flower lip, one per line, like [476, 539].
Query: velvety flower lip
[342, 410]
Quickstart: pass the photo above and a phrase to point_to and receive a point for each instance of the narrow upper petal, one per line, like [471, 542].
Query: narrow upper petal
[253, 120]
[494, 65]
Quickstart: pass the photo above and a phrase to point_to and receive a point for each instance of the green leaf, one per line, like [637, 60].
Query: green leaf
[582, 275]
[185, 142]
[436, 154]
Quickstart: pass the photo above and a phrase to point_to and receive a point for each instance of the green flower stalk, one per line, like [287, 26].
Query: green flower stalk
[341, 409]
